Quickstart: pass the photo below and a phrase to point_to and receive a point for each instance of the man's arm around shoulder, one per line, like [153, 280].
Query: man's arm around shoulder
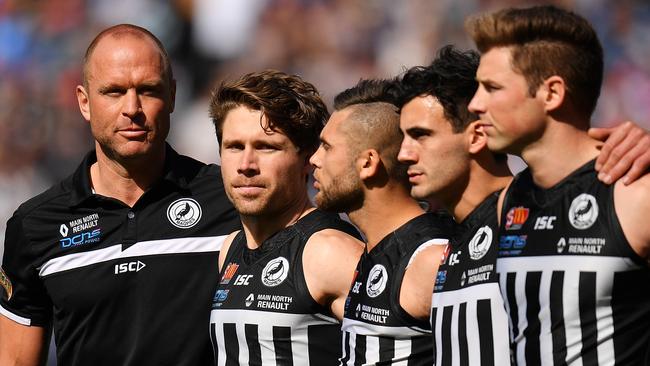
[632, 204]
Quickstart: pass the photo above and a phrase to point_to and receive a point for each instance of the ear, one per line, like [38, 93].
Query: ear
[368, 163]
[476, 137]
[84, 102]
[553, 92]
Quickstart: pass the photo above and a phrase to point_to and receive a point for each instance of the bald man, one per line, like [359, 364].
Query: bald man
[120, 257]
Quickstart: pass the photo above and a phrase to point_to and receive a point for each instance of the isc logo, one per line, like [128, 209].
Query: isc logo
[544, 222]
[129, 267]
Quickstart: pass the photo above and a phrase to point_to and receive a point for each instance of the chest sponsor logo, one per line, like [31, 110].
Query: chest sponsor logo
[230, 271]
[184, 213]
[356, 287]
[219, 297]
[80, 231]
[441, 278]
[275, 272]
[371, 314]
[516, 217]
[454, 258]
[480, 243]
[561, 244]
[6, 284]
[480, 274]
[242, 280]
[581, 245]
[277, 302]
[377, 279]
[445, 254]
[134, 266]
[583, 211]
[510, 245]
[250, 299]
[544, 222]
[463, 278]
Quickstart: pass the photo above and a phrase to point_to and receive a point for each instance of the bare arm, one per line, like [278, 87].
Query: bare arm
[632, 205]
[22, 345]
[329, 261]
[223, 252]
[419, 279]
[625, 153]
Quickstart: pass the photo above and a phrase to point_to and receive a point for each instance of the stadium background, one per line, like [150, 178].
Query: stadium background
[331, 43]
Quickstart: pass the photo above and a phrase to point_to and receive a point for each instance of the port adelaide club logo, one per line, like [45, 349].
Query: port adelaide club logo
[377, 280]
[184, 213]
[275, 272]
[480, 243]
[583, 211]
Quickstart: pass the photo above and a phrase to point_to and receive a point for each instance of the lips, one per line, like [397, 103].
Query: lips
[414, 176]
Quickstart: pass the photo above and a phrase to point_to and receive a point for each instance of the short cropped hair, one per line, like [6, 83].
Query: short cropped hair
[291, 105]
[451, 79]
[122, 30]
[546, 41]
[373, 121]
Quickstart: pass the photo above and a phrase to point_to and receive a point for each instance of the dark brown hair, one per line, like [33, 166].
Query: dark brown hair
[290, 104]
[546, 41]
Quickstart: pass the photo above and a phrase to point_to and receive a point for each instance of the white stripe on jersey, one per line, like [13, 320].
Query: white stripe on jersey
[571, 266]
[144, 248]
[424, 246]
[17, 318]
[470, 295]
[265, 322]
[358, 327]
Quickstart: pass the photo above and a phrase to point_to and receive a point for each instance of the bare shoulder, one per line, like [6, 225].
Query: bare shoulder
[329, 260]
[223, 253]
[419, 278]
[632, 204]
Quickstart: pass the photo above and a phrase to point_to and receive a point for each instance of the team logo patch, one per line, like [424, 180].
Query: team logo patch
[184, 213]
[583, 211]
[275, 272]
[377, 280]
[6, 283]
[480, 243]
[516, 217]
[230, 271]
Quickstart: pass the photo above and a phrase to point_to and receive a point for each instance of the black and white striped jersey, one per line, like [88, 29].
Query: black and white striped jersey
[376, 329]
[262, 311]
[575, 291]
[468, 318]
[121, 285]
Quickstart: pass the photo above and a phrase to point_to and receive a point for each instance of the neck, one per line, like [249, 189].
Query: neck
[258, 228]
[125, 181]
[384, 210]
[562, 149]
[485, 177]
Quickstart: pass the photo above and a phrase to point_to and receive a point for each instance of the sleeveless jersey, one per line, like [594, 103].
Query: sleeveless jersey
[468, 319]
[376, 329]
[263, 313]
[575, 291]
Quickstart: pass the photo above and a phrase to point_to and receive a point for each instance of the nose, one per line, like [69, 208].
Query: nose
[314, 160]
[132, 106]
[406, 153]
[476, 105]
[248, 164]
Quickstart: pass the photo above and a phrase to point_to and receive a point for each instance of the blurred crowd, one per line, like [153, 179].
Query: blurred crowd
[331, 43]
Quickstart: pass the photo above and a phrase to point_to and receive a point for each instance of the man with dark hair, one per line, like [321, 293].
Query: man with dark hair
[357, 172]
[284, 278]
[120, 256]
[574, 252]
[448, 163]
